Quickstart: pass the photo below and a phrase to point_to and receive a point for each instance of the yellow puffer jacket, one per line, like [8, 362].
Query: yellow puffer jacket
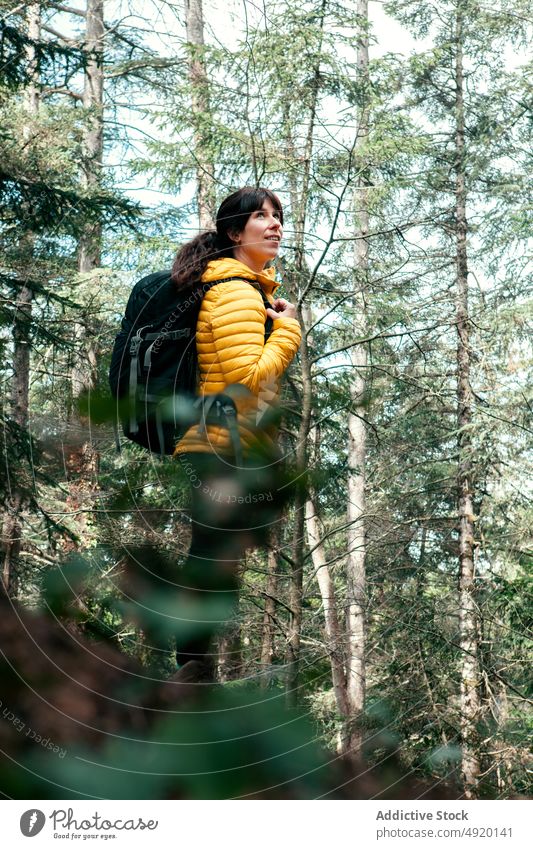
[230, 340]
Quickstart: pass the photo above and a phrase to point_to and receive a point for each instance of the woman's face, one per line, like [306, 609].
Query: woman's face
[259, 242]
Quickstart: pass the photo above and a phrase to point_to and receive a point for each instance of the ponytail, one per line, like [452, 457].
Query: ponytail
[192, 259]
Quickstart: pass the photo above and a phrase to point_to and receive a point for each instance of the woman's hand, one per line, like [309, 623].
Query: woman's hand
[281, 309]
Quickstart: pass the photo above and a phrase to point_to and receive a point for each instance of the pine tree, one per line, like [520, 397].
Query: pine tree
[463, 182]
[44, 208]
[22, 317]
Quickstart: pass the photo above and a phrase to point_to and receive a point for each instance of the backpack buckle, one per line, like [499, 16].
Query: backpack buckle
[135, 344]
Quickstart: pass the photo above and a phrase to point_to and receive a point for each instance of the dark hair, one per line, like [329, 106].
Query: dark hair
[232, 217]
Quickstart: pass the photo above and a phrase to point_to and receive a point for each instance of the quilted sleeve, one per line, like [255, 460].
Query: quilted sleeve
[238, 328]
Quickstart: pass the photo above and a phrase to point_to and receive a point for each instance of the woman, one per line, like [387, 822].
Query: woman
[232, 505]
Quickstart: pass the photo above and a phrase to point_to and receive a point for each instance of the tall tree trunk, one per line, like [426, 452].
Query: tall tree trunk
[90, 244]
[299, 200]
[334, 636]
[470, 673]
[269, 615]
[355, 562]
[298, 535]
[12, 529]
[12, 526]
[331, 619]
[82, 459]
[205, 180]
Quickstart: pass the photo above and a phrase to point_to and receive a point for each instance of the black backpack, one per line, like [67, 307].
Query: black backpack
[153, 372]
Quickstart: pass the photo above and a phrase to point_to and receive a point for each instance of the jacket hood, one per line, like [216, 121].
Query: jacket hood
[217, 269]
